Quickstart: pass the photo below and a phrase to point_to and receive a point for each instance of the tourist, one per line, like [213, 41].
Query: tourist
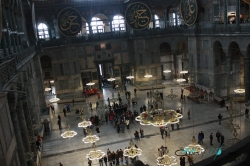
[73, 102]
[202, 137]
[188, 114]
[64, 111]
[162, 132]
[190, 159]
[211, 139]
[182, 161]
[105, 160]
[218, 136]
[142, 133]
[220, 118]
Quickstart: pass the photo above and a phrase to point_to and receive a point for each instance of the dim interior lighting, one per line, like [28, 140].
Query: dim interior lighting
[167, 71]
[130, 77]
[184, 72]
[47, 89]
[54, 100]
[180, 80]
[132, 151]
[239, 90]
[111, 79]
[148, 76]
[90, 83]
[95, 154]
[68, 134]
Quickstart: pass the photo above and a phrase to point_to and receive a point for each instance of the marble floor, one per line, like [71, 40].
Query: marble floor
[72, 152]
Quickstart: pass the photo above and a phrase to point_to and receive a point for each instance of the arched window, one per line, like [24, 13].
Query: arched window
[157, 21]
[118, 23]
[97, 25]
[87, 28]
[43, 31]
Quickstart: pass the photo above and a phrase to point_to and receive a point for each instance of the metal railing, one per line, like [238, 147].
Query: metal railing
[216, 29]
[76, 2]
[8, 68]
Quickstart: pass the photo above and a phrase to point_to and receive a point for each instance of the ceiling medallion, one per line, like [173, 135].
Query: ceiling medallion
[69, 22]
[138, 16]
[189, 11]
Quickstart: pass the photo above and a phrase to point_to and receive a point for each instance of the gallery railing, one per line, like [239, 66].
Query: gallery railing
[78, 2]
[215, 29]
[8, 68]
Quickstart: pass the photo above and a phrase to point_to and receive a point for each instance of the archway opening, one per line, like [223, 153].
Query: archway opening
[166, 61]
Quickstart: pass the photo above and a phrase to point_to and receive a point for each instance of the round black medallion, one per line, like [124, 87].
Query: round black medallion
[69, 22]
[189, 11]
[138, 16]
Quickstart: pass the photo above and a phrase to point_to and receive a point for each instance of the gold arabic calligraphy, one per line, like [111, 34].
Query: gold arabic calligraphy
[69, 22]
[138, 16]
[189, 11]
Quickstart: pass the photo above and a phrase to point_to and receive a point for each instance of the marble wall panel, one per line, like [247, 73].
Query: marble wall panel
[117, 58]
[56, 69]
[125, 58]
[90, 62]
[64, 84]
[116, 47]
[67, 69]
[89, 49]
[76, 83]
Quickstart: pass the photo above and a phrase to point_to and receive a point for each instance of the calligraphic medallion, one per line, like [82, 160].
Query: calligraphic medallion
[138, 16]
[69, 22]
[189, 11]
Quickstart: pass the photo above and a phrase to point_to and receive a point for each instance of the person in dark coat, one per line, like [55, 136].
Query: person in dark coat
[105, 160]
[218, 136]
[182, 161]
[162, 132]
[211, 139]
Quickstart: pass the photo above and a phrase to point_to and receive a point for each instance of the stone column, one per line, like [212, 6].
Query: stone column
[35, 117]
[175, 63]
[153, 13]
[237, 12]
[13, 113]
[37, 84]
[90, 28]
[247, 78]
[179, 57]
[176, 20]
[165, 18]
[225, 13]
[229, 75]
[23, 127]
[110, 23]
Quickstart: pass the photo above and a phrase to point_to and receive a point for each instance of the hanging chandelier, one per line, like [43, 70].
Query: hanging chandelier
[239, 91]
[132, 151]
[95, 154]
[111, 79]
[84, 123]
[194, 148]
[130, 77]
[68, 134]
[166, 160]
[47, 89]
[90, 138]
[90, 84]
[159, 117]
[54, 100]
[183, 72]
[167, 71]
[180, 80]
[171, 96]
[148, 76]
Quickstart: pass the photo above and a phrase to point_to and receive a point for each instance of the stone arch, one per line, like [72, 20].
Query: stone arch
[247, 75]
[235, 66]
[47, 70]
[104, 19]
[183, 53]
[219, 64]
